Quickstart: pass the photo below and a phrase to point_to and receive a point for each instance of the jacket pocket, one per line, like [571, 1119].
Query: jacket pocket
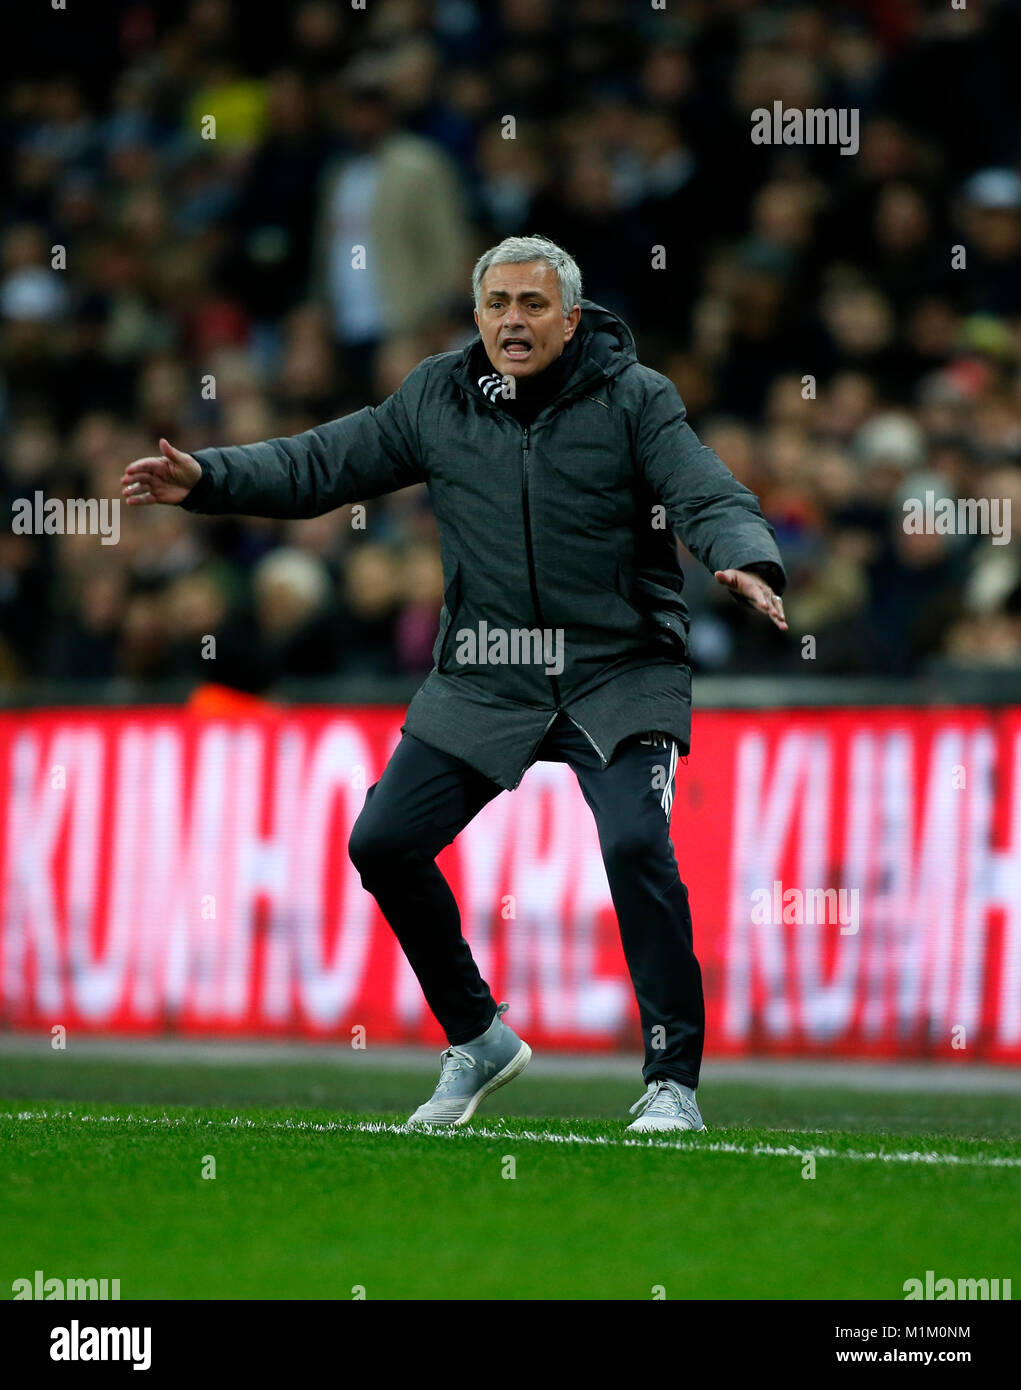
[448, 613]
[667, 610]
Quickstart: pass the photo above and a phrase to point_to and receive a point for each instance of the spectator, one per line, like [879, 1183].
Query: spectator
[391, 237]
[806, 304]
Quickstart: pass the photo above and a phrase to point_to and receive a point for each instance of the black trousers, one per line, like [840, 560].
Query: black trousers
[426, 797]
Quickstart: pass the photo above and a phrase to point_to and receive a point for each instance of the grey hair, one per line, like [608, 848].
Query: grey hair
[519, 250]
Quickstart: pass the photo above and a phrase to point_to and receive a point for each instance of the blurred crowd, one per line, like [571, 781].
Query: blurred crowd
[845, 330]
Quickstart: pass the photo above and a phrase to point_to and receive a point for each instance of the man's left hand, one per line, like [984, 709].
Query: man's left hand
[755, 592]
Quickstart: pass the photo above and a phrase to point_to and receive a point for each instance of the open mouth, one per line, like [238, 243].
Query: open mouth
[516, 347]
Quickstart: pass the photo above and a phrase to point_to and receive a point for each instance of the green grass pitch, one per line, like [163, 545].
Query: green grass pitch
[318, 1194]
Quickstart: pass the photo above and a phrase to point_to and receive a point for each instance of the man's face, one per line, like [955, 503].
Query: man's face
[521, 320]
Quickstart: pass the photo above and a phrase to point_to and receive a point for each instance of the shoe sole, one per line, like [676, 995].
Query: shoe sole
[514, 1067]
[665, 1129]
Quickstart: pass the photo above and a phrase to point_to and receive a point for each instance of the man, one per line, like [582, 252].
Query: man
[554, 461]
[398, 197]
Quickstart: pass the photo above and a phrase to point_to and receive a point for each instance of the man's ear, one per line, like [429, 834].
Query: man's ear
[476, 314]
[571, 322]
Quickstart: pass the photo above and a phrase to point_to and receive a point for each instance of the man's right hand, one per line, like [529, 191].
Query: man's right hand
[167, 478]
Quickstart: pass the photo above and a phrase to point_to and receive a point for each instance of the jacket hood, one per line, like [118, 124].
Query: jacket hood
[606, 345]
[607, 342]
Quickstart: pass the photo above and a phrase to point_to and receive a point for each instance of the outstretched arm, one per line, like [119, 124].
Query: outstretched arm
[717, 517]
[362, 455]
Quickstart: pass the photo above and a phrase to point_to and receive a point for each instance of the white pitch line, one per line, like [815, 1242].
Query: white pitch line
[694, 1146]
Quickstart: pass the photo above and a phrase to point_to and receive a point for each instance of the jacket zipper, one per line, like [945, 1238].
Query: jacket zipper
[532, 582]
[595, 745]
[534, 587]
[538, 741]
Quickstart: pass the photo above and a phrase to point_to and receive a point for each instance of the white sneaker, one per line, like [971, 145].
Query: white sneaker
[472, 1071]
[666, 1105]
